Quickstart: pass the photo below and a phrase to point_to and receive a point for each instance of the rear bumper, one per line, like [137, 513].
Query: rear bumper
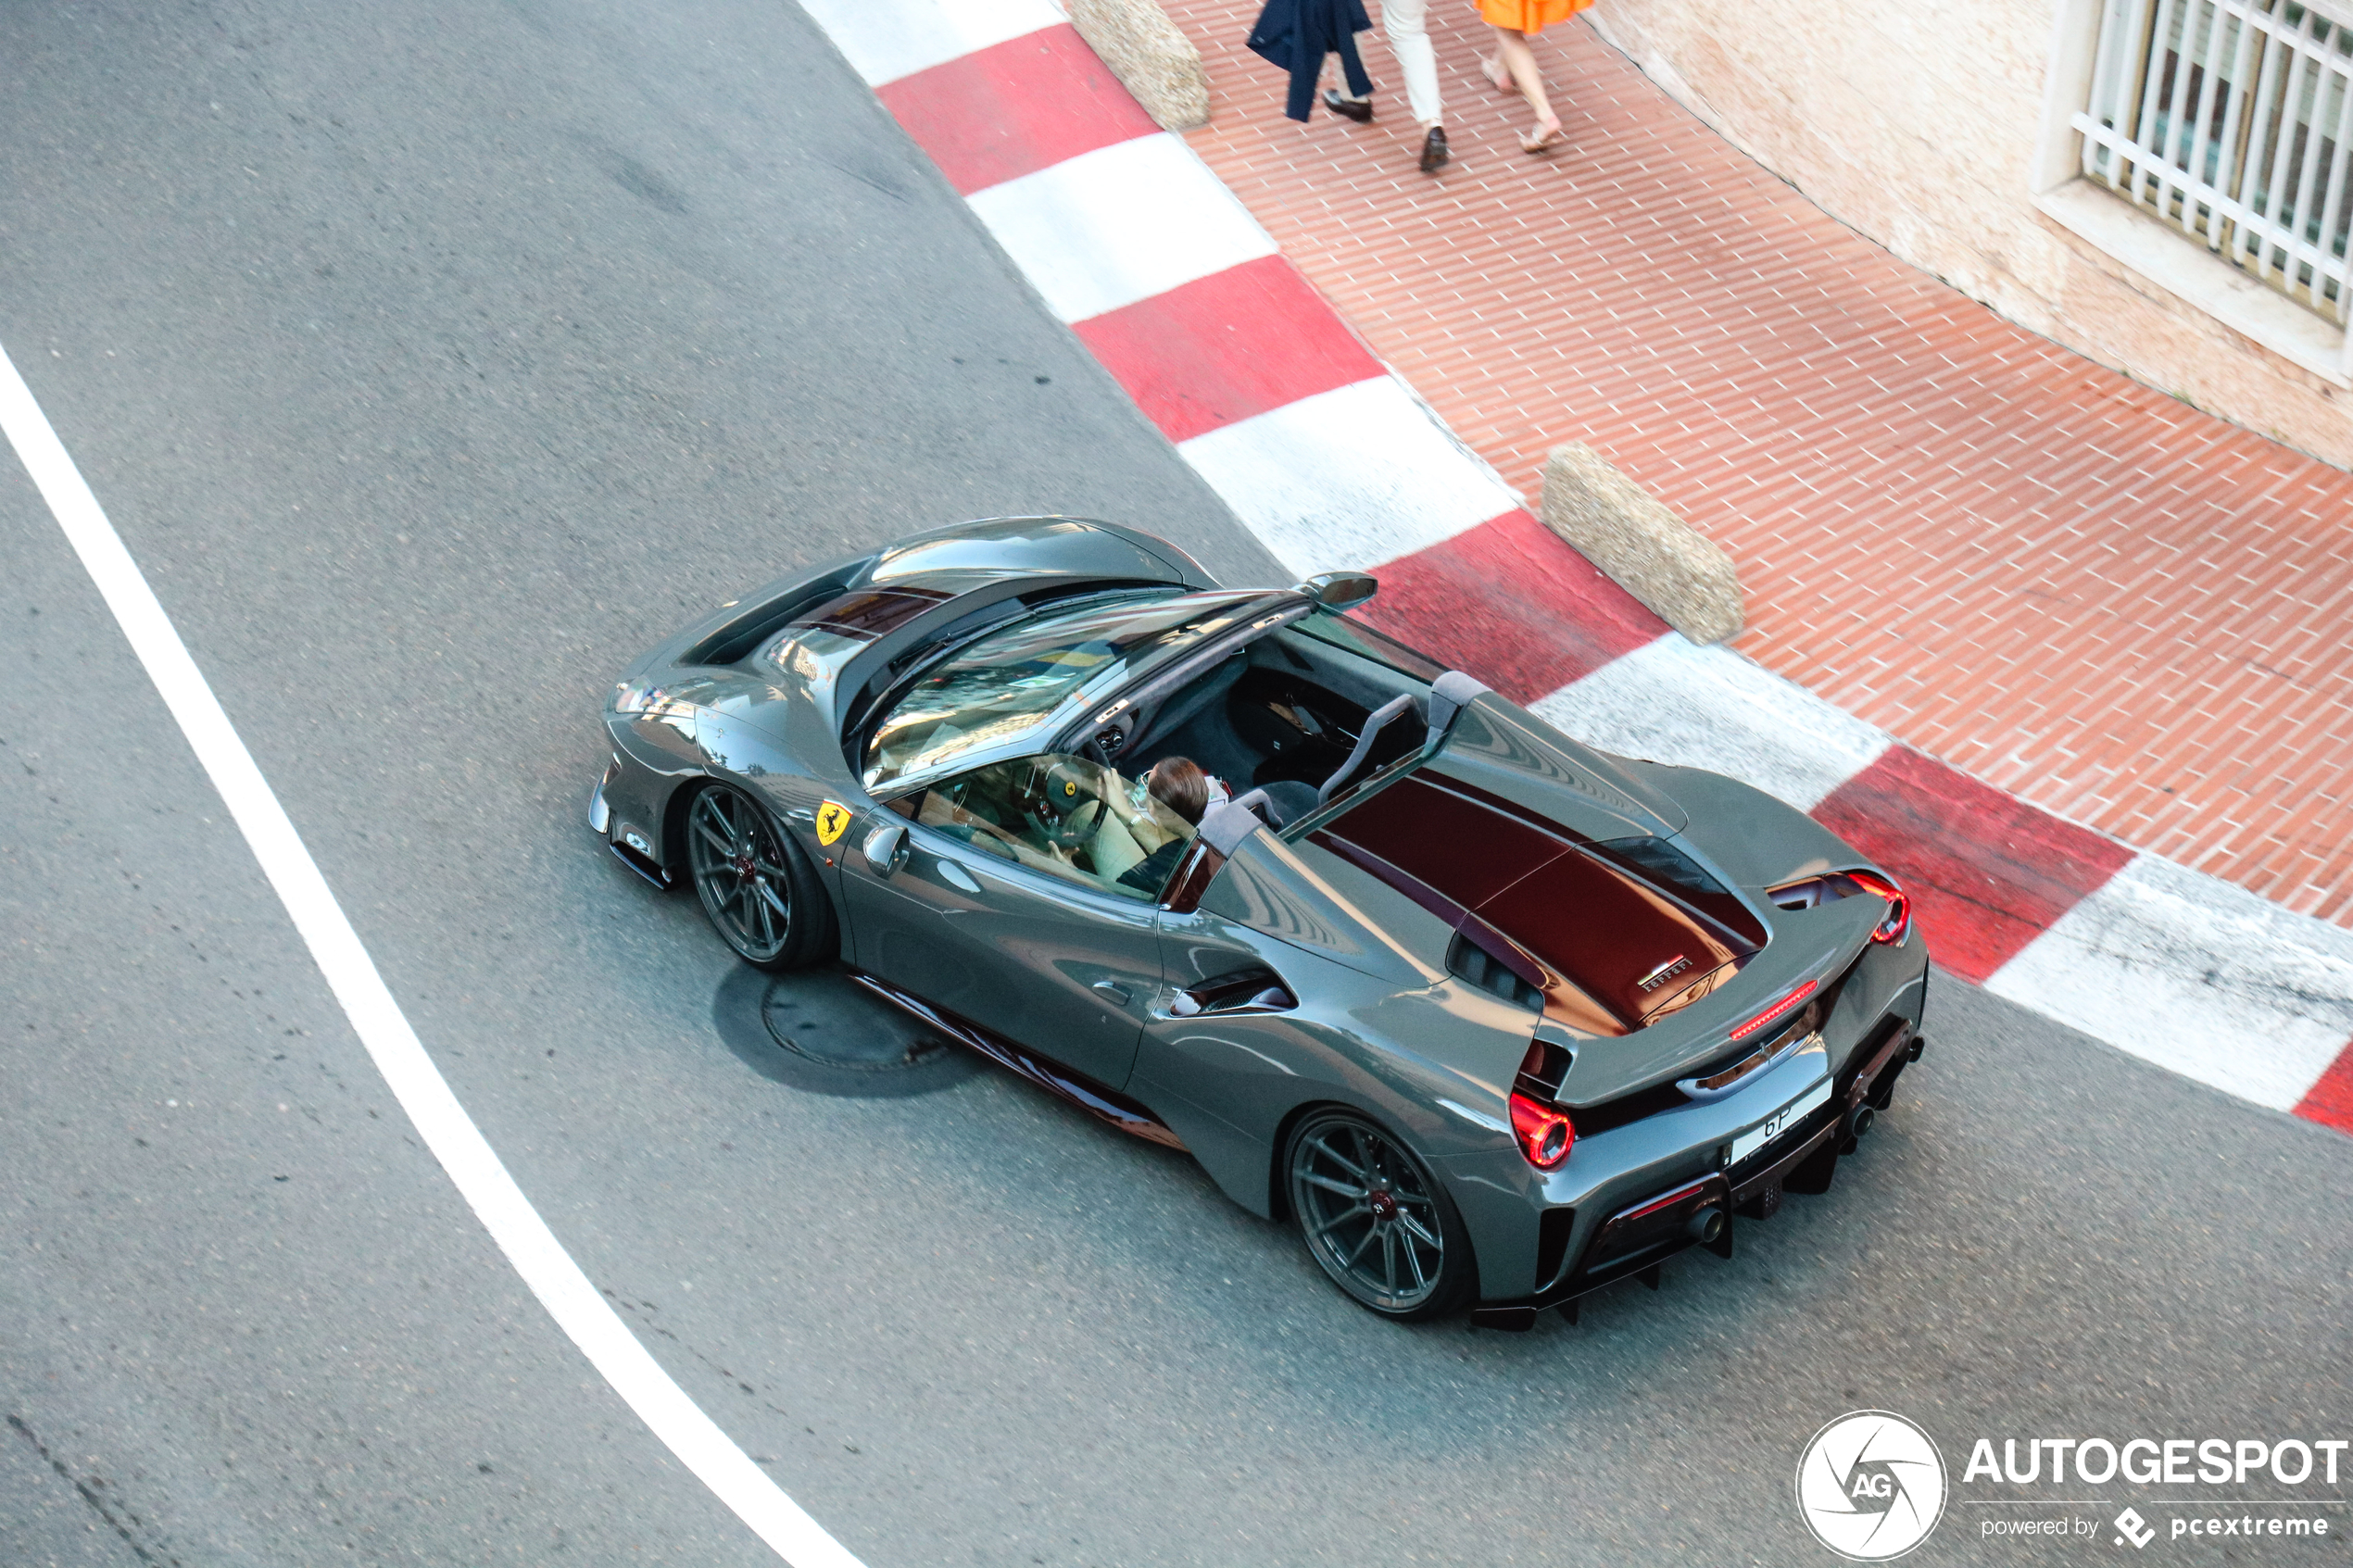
[1635, 1240]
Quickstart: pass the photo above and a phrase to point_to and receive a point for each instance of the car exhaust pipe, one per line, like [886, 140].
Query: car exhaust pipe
[1705, 1226]
[1860, 1120]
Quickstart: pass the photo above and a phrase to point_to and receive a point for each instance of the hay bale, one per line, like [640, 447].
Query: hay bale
[1682, 575]
[1150, 58]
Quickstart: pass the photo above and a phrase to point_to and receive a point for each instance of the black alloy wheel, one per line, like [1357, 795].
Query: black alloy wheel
[1376, 1219]
[754, 881]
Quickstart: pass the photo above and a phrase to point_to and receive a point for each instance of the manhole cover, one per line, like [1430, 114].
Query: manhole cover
[808, 1021]
[815, 1030]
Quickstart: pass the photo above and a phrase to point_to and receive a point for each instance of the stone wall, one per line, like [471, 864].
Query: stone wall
[1920, 126]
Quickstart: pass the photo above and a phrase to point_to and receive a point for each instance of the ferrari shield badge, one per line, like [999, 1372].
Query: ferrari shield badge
[833, 821]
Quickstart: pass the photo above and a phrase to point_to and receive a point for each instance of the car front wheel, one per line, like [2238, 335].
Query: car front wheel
[1374, 1218]
[754, 882]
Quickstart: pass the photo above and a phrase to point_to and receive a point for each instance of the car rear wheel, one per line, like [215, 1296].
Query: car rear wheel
[1374, 1218]
[754, 882]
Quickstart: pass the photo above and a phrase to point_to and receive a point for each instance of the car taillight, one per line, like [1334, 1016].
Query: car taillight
[1784, 1005]
[1898, 923]
[1545, 1135]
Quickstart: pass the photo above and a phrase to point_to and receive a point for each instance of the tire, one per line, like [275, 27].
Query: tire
[755, 883]
[1375, 1219]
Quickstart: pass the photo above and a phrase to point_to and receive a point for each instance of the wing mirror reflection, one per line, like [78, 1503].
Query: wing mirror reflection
[1341, 590]
[886, 847]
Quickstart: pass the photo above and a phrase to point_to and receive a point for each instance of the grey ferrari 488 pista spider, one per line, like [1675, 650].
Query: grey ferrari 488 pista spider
[1495, 1019]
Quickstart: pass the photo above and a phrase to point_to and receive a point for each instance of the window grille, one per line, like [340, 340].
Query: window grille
[2230, 120]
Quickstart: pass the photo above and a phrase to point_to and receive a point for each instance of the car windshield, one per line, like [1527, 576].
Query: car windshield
[1023, 676]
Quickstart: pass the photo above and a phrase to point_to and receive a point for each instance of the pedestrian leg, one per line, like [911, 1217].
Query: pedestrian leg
[1405, 21]
[1514, 56]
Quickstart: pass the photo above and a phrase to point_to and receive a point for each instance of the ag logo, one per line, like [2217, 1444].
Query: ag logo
[1871, 1485]
[833, 821]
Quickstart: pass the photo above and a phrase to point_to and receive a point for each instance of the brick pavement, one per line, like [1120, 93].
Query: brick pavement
[2069, 586]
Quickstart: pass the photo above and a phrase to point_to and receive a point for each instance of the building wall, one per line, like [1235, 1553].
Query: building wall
[1921, 125]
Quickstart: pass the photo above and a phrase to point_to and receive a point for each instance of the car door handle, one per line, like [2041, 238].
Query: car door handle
[956, 876]
[1113, 989]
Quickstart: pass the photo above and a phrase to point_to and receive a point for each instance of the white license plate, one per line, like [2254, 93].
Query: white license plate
[1788, 1116]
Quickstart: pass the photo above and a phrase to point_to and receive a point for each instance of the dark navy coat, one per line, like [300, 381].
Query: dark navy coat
[1297, 34]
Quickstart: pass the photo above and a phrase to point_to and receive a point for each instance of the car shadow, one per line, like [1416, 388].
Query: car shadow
[815, 1030]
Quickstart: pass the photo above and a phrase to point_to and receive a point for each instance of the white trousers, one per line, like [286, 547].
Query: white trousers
[1409, 41]
[1404, 20]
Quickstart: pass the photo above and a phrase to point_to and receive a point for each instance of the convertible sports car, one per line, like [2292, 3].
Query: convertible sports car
[1494, 1017]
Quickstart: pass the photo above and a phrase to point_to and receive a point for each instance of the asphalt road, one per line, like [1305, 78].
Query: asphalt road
[435, 361]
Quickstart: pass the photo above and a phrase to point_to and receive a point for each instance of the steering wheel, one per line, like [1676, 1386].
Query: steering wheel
[1056, 803]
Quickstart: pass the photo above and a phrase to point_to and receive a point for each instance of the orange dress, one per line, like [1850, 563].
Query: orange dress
[1529, 16]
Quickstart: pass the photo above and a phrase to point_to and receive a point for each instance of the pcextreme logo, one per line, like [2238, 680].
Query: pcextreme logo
[1871, 1485]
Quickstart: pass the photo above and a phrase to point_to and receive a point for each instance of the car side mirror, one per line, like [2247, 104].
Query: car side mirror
[1341, 590]
[886, 847]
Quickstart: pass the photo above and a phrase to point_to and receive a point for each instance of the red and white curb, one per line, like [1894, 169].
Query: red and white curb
[1332, 461]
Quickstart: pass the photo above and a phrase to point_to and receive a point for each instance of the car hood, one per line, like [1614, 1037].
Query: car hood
[1329, 896]
[1591, 906]
[1574, 873]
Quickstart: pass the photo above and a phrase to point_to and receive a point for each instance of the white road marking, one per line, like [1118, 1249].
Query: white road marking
[520, 1234]
[884, 42]
[1120, 224]
[1672, 701]
[2197, 976]
[1352, 477]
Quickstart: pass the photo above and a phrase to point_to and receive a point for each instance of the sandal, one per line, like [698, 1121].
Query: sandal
[1489, 67]
[1542, 141]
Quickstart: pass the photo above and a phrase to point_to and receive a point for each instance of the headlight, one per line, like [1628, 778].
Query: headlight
[636, 697]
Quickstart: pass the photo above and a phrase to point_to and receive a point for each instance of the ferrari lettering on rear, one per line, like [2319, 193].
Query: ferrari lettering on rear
[1664, 973]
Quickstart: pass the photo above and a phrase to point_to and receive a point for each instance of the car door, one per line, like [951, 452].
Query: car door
[996, 899]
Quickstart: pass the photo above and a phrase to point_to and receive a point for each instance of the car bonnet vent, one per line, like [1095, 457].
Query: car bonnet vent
[734, 640]
[864, 614]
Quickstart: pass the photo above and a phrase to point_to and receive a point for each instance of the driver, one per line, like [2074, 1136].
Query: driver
[1179, 787]
[1178, 783]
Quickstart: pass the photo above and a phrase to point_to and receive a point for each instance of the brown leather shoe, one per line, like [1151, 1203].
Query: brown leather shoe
[1358, 109]
[1434, 150]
